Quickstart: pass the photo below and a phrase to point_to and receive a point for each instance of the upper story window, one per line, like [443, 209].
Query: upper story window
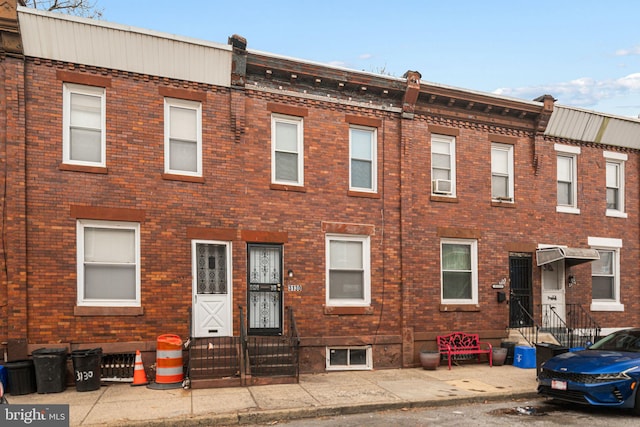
[459, 269]
[182, 137]
[615, 183]
[363, 155]
[443, 165]
[84, 140]
[567, 178]
[605, 275]
[108, 263]
[502, 172]
[287, 154]
[348, 270]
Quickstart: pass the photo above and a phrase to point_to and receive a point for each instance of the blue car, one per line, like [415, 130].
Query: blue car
[605, 374]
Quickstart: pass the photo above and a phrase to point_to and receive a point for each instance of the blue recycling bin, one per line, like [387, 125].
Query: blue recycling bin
[524, 357]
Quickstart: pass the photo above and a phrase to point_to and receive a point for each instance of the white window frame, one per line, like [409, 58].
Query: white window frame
[374, 158]
[67, 90]
[571, 153]
[614, 245]
[451, 140]
[365, 301]
[619, 160]
[80, 229]
[508, 148]
[348, 367]
[188, 105]
[299, 123]
[473, 244]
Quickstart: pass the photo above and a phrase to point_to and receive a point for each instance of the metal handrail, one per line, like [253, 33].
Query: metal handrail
[244, 351]
[294, 337]
[529, 333]
[582, 324]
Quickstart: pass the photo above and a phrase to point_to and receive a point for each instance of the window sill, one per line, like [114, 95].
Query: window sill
[84, 310]
[445, 199]
[363, 194]
[282, 187]
[348, 310]
[87, 169]
[183, 178]
[503, 204]
[606, 306]
[616, 214]
[459, 307]
[567, 209]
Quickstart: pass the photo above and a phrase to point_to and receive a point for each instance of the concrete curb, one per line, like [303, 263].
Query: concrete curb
[275, 415]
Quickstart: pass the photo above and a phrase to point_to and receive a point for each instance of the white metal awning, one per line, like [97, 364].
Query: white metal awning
[571, 256]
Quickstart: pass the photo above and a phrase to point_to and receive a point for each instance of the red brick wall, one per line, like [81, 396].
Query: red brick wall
[236, 199]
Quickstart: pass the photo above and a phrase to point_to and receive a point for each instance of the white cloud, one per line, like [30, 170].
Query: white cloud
[583, 92]
[628, 52]
[365, 56]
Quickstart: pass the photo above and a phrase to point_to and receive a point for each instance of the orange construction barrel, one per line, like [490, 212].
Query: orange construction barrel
[169, 368]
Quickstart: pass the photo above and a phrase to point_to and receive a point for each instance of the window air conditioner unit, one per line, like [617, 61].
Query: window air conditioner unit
[441, 186]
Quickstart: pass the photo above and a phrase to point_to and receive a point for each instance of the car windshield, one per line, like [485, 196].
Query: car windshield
[628, 340]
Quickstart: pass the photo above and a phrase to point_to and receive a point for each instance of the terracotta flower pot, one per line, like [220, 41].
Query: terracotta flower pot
[499, 356]
[430, 359]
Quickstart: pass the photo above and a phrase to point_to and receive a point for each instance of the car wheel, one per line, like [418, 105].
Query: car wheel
[636, 408]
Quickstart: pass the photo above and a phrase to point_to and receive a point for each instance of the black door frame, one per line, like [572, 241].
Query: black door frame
[520, 288]
[260, 294]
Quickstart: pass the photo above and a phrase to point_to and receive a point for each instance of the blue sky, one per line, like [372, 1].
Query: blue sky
[585, 53]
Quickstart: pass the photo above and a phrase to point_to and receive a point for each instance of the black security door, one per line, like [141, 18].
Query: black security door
[264, 299]
[521, 289]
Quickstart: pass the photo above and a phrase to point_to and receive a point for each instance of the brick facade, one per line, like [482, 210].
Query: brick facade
[235, 201]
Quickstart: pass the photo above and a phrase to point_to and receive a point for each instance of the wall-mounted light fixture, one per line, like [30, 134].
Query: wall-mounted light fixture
[290, 273]
[572, 280]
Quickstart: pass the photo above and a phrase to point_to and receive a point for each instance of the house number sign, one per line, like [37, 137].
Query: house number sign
[84, 375]
[295, 288]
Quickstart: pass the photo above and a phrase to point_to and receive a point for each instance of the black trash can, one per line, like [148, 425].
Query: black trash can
[86, 368]
[545, 351]
[51, 369]
[511, 347]
[21, 377]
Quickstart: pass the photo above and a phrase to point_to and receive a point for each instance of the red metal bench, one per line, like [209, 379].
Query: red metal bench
[458, 343]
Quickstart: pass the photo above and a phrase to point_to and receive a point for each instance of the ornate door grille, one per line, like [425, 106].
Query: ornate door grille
[265, 289]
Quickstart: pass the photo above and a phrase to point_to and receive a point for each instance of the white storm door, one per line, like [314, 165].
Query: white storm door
[553, 291]
[212, 290]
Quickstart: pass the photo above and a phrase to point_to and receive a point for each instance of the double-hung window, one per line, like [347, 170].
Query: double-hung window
[363, 165]
[567, 178]
[615, 183]
[502, 172]
[443, 165]
[108, 263]
[287, 154]
[348, 270]
[605, 275]
[182, 137]
[459, 271]
[84, 141]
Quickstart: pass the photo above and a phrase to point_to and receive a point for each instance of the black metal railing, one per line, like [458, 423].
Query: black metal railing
[529, 329]
[214, 357]
[294, 341]
[577, 329]
[553, 323]
[272, 356]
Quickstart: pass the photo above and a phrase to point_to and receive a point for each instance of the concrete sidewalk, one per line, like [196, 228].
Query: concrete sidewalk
[334, 393]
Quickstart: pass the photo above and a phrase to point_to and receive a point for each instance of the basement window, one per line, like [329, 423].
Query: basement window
[349, 358]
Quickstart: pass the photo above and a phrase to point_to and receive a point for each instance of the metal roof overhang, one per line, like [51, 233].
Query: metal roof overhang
[571, 256]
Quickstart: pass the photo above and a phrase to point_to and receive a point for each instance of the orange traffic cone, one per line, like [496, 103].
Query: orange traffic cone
[139, 376]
